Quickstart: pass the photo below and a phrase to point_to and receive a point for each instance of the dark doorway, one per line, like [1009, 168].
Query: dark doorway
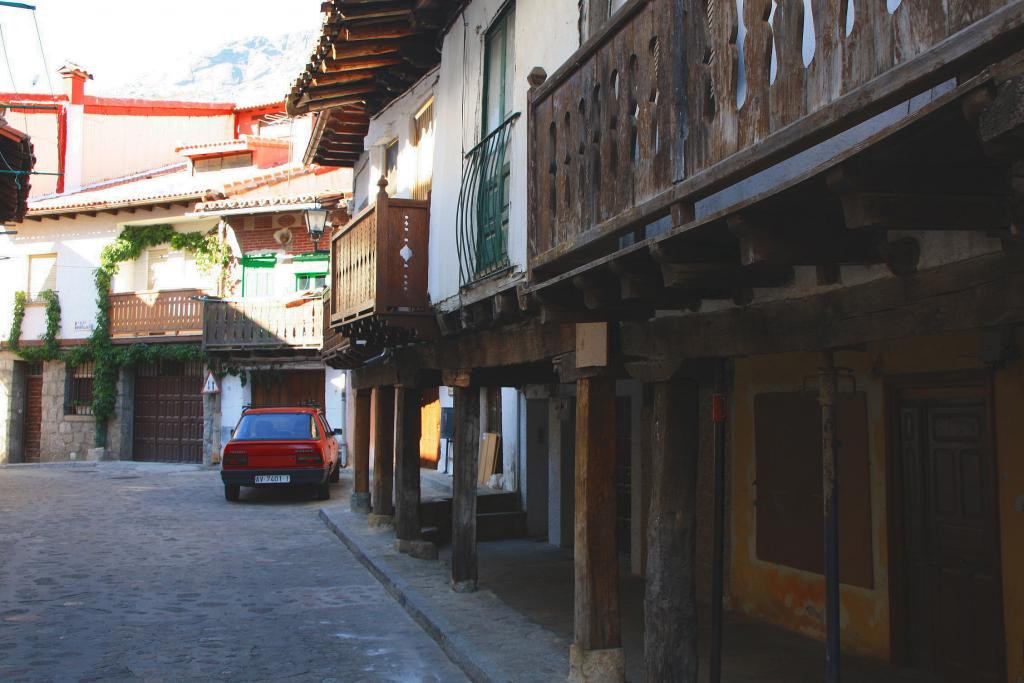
[168, 423]
[33, 412]
[948, 604]
[272, 388]
[623, 474]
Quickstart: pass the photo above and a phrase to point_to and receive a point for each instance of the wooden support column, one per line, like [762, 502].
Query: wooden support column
[383, 456]
[670, 598]
[596, 653]
[360, 501]
[407, 466]
[467, 446]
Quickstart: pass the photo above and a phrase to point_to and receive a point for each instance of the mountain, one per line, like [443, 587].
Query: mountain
[248, 71]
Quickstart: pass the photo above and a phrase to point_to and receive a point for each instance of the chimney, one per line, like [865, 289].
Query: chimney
[74, 146]
[74, 82]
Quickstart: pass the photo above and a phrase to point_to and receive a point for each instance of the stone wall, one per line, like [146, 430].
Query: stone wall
[62, 435]
[11, 412]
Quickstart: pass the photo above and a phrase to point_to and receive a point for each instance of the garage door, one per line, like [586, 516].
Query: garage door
[271, 388]
[168, 412]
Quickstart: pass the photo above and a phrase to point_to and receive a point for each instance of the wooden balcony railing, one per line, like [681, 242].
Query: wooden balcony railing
[262, 324]
[165, 312]
[664, 106]
[379, 262]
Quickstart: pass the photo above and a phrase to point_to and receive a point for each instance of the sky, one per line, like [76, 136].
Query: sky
[119, 41]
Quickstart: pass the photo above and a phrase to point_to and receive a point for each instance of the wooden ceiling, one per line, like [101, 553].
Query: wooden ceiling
[370, 52]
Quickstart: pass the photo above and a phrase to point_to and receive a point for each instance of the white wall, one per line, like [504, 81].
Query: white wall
[115, 146]
[396, 121]
[546, 34]
[42, 128]
[232, 397]
[78, 244]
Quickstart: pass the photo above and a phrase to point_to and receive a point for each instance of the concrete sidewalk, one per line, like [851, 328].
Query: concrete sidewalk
[486, 638]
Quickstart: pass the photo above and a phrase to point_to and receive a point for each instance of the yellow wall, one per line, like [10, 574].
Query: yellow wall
[795, 599]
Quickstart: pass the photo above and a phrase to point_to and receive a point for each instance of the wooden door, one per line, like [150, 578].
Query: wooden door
[430, 428]
[168, 423]
[274, 388]
[952, 590]
[33, 412]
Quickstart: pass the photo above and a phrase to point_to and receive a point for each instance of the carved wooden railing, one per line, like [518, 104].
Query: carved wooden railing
[262, 323]
[165, 312]
[667, 105]
[379, 261]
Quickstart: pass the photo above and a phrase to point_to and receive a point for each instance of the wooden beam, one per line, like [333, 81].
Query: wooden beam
[359, 63]
[670, 589]
[360, 31]
[987, 291]
[360, 501]
[597, 642]
[421, 54]
[335, 91]
[364, 48]
[342, 77]
[892, 211]
[767, 240]
[383, 453]
[467, 445]
[407, 464]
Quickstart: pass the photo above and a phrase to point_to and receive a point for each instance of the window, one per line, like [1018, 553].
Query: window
[391, 166]
[222, 163]
[787, 447]
[276, 427]
[78, 389]
[258, 275]
[499, 69]
[305, 282]
[423, 130]
[168, 269]
[42, 274]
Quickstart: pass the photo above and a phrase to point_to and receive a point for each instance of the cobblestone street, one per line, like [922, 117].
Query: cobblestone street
[125, 572]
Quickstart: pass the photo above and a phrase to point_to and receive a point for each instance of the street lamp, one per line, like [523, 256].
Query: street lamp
[316, 219]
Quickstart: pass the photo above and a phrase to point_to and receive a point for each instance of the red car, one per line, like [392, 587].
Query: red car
[275, 446]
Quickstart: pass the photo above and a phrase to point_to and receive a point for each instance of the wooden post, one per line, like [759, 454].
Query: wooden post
[360, 501]
[383, 456]
[670, 597]
[467, 446]
[596, 653]
[407, 465]
[830, 494]
[718, 418]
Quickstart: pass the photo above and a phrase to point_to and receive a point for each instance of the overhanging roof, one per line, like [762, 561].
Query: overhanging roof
[17, 160]
[369, 53]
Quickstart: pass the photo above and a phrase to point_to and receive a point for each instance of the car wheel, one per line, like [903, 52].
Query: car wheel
[323, 491]
[231, 492]
[335, 473]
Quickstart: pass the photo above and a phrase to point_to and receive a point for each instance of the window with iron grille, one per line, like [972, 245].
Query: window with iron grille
[78, 390]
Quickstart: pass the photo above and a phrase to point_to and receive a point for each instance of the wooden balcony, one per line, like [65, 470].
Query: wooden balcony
[262, 324]
[165, 313]
[379, 270]
[661, 108]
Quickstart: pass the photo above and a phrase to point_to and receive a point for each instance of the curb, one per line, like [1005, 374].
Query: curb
[61, 465]
[457, 648]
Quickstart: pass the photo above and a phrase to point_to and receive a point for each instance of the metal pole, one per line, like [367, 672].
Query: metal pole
[718, 417]
[830, 495]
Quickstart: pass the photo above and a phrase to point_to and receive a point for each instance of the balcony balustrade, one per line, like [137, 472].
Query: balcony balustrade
[173, 312]
[665, 105]
[379, 269]
[262, 324]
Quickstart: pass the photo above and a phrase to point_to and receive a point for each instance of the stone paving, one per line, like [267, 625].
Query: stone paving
[131, 572]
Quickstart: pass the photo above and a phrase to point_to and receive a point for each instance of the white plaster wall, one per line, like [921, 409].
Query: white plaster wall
[42, 128]
[232, 397]
[512, 419]
[397, 122]
[78, 244]
[546, 34]
[118, 145]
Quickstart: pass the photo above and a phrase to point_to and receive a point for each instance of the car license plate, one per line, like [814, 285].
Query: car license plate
[273, 478]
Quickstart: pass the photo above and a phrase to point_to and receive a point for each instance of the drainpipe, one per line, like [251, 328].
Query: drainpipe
[830, 494]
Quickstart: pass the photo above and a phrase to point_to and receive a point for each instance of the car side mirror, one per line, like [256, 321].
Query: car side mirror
[337, 431]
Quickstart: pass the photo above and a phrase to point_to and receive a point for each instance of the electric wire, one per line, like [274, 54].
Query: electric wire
[10, 70]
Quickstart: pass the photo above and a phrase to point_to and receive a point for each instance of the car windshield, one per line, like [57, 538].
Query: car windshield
[275, 427]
